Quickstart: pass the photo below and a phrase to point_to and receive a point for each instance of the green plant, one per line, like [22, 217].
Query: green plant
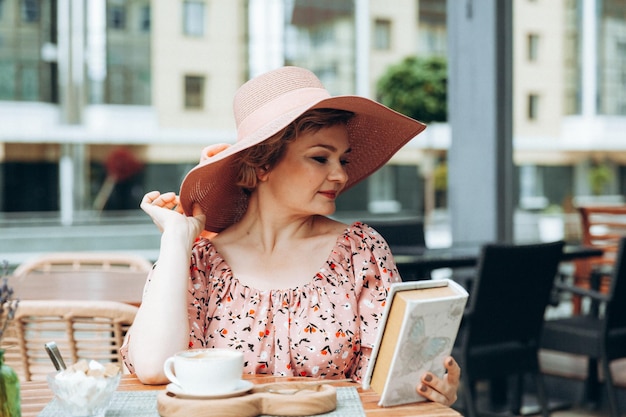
[9, 382]
[553, 209]
[8, 304]
[441, 176]
[416, 87]
[599, 176]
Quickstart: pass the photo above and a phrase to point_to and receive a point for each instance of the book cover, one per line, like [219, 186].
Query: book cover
[418, 330]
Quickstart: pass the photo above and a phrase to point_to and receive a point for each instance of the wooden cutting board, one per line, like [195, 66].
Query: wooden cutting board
[292, 399]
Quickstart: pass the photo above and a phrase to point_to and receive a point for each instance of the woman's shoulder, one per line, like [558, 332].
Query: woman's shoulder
[360, 235]
[362, 229]
[337, 227]
[365, 252]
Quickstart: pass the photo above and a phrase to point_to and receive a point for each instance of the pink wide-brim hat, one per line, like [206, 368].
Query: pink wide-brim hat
[264, 106]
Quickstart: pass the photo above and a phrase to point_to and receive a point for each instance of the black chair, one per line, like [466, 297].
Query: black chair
[501, 328]
[600, 334]
[400, 232]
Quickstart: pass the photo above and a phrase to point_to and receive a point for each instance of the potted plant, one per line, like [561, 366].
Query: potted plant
[9, 382]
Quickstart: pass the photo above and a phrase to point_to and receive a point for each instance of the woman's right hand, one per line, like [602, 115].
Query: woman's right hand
[161, 327]
[167, 213]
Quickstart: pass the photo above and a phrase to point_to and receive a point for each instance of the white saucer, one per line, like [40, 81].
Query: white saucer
[241, 388]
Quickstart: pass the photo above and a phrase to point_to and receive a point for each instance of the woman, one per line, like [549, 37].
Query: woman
[297, 292]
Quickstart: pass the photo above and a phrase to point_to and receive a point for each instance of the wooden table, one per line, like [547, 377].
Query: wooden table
[36, 394]
[123, 286]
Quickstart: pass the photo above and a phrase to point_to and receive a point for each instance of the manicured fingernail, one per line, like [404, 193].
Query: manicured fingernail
[428, 378]
[423, 388]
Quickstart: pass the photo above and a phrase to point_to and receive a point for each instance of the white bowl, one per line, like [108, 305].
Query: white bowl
[79, 395]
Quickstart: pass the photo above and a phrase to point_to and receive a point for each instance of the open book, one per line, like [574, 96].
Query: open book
[418, 329]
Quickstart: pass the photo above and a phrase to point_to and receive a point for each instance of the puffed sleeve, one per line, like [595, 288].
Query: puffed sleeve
[374, 272]
[199, 292]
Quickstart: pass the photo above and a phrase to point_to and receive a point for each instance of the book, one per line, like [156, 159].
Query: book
[417, 331]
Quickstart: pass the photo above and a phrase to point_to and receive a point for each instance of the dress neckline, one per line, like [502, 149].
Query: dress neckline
[310, 284]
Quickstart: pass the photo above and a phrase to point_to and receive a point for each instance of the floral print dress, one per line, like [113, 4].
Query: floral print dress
[325, 328]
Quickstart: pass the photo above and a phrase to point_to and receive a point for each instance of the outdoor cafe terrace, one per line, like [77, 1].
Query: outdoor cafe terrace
[565, 374]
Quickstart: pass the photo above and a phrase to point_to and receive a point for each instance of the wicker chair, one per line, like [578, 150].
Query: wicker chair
[81, 329]
[602, 227]
[78, 261]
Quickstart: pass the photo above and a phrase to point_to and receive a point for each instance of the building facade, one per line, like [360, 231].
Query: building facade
[81, 80]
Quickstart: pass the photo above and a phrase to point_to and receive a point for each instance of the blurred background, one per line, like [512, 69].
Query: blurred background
[102, 101]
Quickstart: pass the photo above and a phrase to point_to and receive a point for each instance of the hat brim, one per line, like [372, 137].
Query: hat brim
[375, 133]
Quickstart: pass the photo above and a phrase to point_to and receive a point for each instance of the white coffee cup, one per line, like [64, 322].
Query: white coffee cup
[205, 371]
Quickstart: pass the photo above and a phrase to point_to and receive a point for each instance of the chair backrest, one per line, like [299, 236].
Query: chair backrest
[603, 227]
[91, 330]
[78, 261]
[615, 309]
[400, 232]
[511, 291]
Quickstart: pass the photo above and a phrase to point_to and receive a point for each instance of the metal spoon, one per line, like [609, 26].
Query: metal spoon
[55, 356]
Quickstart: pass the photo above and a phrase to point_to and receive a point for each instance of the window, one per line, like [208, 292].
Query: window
[382, 34]
[533, 47]
[19, 81]
[533, 106]
[382, 191]
[117, 85]
[144, 23]
[30, 11]
[194, 92]
[323, 34]
[29, 82]
[7, 80]
[193, 18]
[117, 17]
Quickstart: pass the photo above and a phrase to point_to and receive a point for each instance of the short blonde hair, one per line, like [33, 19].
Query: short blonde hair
[269, 152]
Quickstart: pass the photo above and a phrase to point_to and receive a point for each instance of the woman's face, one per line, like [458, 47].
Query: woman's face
[311, 173]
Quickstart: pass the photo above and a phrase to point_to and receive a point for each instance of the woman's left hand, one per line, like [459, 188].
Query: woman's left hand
[441, 390]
